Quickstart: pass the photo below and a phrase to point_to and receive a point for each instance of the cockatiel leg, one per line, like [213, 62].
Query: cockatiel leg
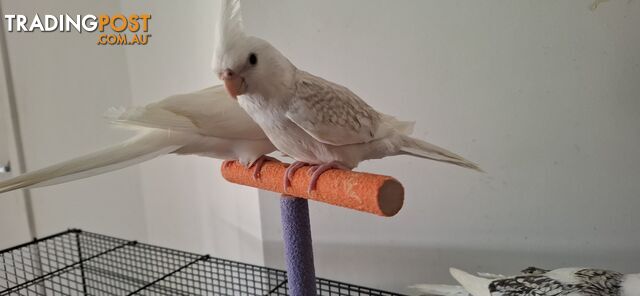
[317, 170]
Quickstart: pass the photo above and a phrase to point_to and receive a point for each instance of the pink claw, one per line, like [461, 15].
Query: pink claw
[258, 163]
[320, 169]
[312, 169]
[288, 174]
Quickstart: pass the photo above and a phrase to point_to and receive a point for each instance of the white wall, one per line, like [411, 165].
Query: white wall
[63, 84]
[187, 203]
[14, 225]
[543, 94]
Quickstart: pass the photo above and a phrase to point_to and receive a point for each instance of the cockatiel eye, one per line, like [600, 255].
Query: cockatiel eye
[253, 59]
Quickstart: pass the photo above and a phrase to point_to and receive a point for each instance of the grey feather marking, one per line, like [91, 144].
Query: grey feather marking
[332, 114]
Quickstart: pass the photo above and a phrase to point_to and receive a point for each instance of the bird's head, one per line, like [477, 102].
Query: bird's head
[245, 64]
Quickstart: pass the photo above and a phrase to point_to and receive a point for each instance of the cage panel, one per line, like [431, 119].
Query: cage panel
[77, 262]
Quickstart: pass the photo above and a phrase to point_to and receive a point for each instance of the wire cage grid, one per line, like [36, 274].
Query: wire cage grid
[76, 262]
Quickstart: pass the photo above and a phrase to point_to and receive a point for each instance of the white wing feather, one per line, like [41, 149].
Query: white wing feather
[206, 122]
[477, 286]
[143, 147]
[209, 112]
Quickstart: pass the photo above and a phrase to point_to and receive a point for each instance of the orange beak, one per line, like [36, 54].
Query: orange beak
[233, 83]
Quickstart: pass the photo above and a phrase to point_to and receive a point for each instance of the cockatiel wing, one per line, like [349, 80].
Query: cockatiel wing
[209, 112]
[207, 123]
[334, 115]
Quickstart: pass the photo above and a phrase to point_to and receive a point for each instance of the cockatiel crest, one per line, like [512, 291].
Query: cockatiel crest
[245, 62]
[230, 31]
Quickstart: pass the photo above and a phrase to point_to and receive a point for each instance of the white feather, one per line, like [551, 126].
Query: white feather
[135, 150]
[489, 275]
[476, 286]
[229, 30]
[209, 112]
[207, 123]
[564, 275]
[151, 117]
[440, 290]
[419, 148]
[631, 285]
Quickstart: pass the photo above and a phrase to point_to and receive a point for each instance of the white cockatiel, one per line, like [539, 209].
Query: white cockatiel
[540, 282]
[308, 118]
[207, 123]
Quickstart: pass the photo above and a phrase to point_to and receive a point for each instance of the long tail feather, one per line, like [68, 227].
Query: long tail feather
[140, 148]
[419, 148]
[440, 290]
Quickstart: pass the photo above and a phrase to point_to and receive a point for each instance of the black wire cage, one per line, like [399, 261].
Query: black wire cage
[77, 262]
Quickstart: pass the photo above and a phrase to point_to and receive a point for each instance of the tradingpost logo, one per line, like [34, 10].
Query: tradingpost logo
[116, 29]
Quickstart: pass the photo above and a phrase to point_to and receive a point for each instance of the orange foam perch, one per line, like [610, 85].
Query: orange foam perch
[376, 194]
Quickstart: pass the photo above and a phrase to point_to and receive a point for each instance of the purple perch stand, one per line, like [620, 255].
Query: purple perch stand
[298, 249]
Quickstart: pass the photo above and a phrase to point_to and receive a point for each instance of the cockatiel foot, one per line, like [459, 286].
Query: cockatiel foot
[258, 163]
[291, 169]
[312, 169]
[317, 170]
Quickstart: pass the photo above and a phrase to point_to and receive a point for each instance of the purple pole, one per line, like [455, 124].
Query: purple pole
[298, 250]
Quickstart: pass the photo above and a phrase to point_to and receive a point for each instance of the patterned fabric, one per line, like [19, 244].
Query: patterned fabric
[528, 285]
[589, 282]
